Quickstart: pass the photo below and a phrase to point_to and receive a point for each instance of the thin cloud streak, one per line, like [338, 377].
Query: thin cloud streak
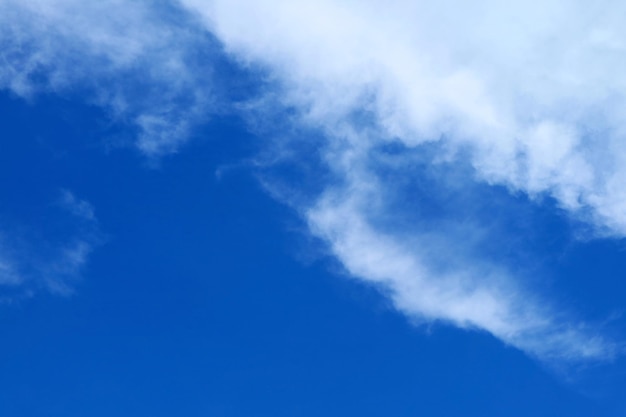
[468, 293]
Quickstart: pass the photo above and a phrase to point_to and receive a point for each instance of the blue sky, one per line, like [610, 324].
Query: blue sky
[234, 208]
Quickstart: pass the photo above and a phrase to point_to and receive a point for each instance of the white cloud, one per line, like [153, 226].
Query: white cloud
[134, 59]
[535, 91]
[531, 95]
[428, 276]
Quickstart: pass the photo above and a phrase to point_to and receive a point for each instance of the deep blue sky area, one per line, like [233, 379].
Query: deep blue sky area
[204, 297]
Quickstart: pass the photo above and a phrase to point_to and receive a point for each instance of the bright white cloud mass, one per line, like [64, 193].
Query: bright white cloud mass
[455, 96]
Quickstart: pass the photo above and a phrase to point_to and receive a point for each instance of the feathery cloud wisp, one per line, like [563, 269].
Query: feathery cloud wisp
[32, 261]
[140, 62]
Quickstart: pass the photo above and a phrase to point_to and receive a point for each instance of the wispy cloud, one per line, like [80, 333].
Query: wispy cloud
[141, 62]
[32, 261]
[528, 96]
[438, 273]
